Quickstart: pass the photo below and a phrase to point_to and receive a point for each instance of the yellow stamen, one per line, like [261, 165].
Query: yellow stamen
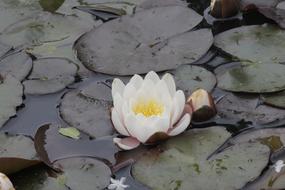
[148, 108]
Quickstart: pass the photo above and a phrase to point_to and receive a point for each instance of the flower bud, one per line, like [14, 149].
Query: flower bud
[224, 8]
[202, 104]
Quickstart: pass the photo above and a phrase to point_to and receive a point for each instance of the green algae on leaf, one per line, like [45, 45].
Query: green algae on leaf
[256, 43]
[182, 162]
[253, 78]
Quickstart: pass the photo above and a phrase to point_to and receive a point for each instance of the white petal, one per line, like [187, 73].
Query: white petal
[169, 80]
[178, 106]
[163, 92]
[118, 102]
[181, 125]
[5, 183]
[152, 76]
[136, 81]
[118, 123]
[143, 128]
[129, 91]
[126, 143]
[117, 87]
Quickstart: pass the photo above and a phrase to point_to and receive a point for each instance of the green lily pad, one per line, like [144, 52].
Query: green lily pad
[248, 108]
[4, 49]
[182, 163]
[11, 91]
[16, 153]
[265, 44]
[51, 5]
[18, 65]
[87, 114]
[84, 173]
[276, 99]
[253, 78]
[45, 27]
[50, 75]
[190, 78]
[70, 132]
[137, 44]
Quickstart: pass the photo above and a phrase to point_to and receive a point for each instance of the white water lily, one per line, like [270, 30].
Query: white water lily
[147, 110]
[5, 183]
[118, 184]
[278, 166]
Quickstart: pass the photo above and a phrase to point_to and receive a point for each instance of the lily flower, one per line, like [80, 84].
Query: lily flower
[147, 110]
[5, 183]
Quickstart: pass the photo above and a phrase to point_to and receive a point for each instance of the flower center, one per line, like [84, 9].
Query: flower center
[148, 108]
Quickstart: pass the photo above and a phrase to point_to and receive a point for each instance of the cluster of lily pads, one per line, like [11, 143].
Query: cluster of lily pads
[58, 62]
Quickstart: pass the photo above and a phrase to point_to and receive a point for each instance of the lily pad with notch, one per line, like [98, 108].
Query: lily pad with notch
[190, 78]
[50, 75]
[136, 44]
[17, 153]
[11, 92]
[160, 169]
[256, 43]
[88, 110]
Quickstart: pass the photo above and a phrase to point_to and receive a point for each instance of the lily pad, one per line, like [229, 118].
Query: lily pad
[4, 49]
[190, 78]
[248, 108]
[50, 75]
[11, 91]
[84, 173]
[276, 99]
[46, 27]
[87, 114]
[18, 65]
[137, 44]
[257, 43]
[16, 153]
[182, 163]
[247, 4]
[253, 78]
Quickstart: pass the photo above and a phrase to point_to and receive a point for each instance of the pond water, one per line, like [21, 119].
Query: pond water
[58, 59]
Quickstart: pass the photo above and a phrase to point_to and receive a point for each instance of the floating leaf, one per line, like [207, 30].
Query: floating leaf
[11, 91]
[17, 64]
[190, 78]
[50, 75]
[256, 43]
[248, 108]
[253, 78]
[70, 132]
[86, 113]
[4, 49]
[182, 162]
[51, 5]
[17, 153]
[136, 44]
[84, 173]
[276, 99]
